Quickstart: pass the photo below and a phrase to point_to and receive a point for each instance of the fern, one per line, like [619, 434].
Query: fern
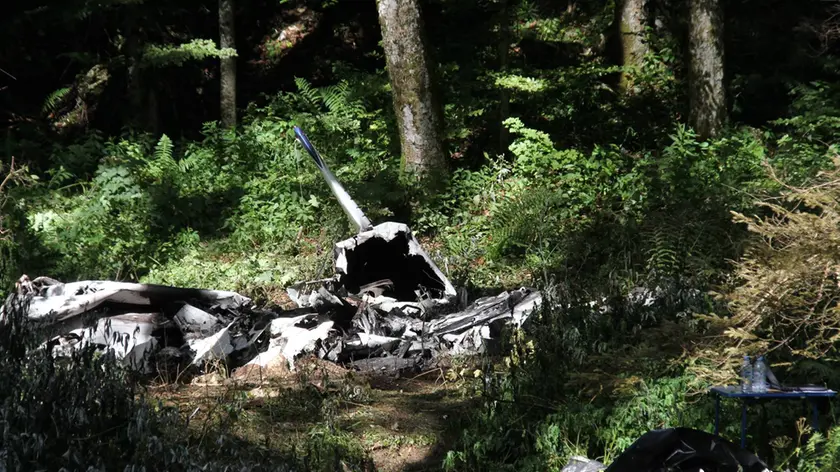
[524, 221]
[683, 242]
[55, 99]
[163, 163]
[663, 242]
[337, 99]
[163, 149]
[821, 454]
[308, 91]
[189, 162]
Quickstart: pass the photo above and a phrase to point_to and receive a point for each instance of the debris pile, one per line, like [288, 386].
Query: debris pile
[387, 309]
[583, 464]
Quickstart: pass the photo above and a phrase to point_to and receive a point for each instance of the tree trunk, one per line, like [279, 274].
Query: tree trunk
[228, 67]
[632, 19]
[504, 96]
[419, 114]
[707, 100]
[135, 83]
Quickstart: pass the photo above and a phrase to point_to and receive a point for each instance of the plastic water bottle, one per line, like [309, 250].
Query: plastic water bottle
[746, 375]
[760, 376]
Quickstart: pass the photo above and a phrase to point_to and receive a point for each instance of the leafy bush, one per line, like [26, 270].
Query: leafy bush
[10, 216]
[586, 378]
[152, 199]
[109, 230]
[597, 370]
[666, 211]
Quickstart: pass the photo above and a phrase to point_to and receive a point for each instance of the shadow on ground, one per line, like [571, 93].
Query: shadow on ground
[335, 418]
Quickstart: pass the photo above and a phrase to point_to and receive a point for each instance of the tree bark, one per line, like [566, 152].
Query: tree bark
[227, 105]
[707, 99]
[504, 96]
[135, 84]
[632, 19]
[410, 69]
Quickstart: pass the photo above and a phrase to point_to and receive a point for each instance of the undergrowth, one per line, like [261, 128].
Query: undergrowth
[85, 411]
[625, 223]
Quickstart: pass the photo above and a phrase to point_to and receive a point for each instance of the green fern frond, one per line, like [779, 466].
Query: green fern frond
[336, 99]
[160, 55]
[163, 163]
[163, 149]
[188, 163]
[663, 242]
[54, 100]
[821, 453]
[683, 241]
[308, 91]
[525, 220]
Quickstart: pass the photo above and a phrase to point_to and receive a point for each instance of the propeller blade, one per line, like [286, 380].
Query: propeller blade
[356, 215]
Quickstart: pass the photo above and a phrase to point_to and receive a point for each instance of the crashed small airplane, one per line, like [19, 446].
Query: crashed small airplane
[388, 308]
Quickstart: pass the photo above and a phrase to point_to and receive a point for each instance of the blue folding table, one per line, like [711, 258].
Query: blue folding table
[735, 392]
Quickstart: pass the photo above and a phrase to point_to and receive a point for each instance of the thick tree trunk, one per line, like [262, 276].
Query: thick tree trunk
[410, 69]
[228, 67]
[632, 19]
[707, 99]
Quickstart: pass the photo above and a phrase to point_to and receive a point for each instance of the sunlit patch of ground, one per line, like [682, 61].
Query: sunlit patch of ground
[395, 424]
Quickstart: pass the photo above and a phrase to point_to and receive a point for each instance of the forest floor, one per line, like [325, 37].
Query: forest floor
[398, 424]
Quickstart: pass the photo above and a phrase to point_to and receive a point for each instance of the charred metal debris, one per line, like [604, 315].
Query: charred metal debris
[388, 308]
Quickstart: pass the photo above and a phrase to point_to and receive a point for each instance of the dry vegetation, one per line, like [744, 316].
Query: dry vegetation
[787, 284]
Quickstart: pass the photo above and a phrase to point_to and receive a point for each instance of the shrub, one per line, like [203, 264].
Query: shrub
[784, 299]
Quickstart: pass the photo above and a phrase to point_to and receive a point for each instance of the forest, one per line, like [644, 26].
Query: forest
[592, 149]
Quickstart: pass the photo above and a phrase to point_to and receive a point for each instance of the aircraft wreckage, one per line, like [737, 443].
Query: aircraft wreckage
[388, 308]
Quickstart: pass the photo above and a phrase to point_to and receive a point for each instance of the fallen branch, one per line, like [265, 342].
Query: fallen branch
[9, 176]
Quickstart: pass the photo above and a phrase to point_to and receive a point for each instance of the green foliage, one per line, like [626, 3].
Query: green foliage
[53, 100]
[665, 210]
[526, 220]
[254, 187]
[583, 380]
[156, 55]
[590, 377]
[13, 238]
[287, 194]
[524, 84]
[578, 189]
[104, 231]
[821, 453]
[258, 273]
[807, 143]
[784, 298]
